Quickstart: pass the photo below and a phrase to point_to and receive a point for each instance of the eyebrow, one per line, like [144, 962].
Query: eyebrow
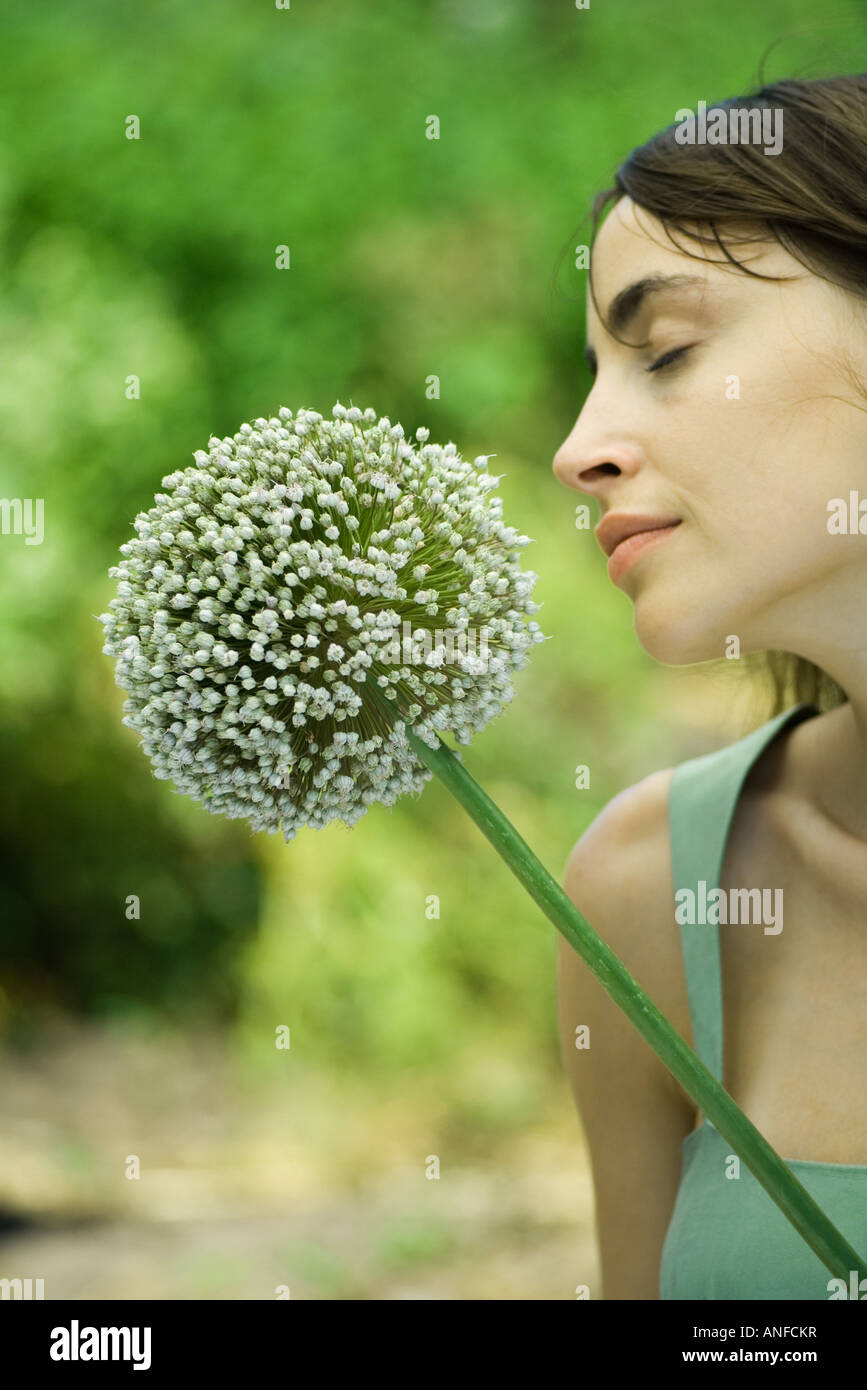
[625, 305]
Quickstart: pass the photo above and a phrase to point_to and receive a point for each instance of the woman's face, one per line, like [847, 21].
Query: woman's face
[743, 440]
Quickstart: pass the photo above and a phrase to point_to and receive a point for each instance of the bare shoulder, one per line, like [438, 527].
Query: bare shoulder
[620, 868]
[634, 1114]
[631, 832]
[619, 876]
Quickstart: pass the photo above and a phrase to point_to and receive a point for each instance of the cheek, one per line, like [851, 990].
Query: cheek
[717, 578]
[754, 456]
[779, 413]
[756, 439]
[742, 553]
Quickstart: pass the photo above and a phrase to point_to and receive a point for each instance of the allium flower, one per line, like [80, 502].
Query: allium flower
[273, 582]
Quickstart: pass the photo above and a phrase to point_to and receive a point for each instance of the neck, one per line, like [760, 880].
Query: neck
[830, 630]
[837, 765]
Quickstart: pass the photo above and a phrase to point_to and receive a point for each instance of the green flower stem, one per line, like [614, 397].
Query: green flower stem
[764, 1162]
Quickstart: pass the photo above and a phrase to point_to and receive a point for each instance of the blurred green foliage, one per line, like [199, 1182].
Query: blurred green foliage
[410, 257]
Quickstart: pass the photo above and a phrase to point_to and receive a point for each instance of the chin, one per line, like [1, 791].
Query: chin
[678, 632]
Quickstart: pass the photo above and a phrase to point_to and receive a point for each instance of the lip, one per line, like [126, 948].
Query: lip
[623, 536]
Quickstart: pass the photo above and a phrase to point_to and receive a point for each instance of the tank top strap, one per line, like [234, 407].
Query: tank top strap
[702, 798]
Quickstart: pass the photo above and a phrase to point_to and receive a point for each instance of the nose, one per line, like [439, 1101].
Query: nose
[591, 458]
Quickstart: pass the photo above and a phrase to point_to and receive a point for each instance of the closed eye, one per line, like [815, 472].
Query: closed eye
[668, 358]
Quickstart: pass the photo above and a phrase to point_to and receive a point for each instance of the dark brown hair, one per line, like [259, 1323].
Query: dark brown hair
[811, 197]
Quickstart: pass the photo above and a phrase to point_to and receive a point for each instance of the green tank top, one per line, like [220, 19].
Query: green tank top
[727, 1238]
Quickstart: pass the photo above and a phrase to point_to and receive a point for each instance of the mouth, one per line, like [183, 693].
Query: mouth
[624, 537]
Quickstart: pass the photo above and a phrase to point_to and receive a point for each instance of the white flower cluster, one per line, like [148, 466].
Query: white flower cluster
[264, 590]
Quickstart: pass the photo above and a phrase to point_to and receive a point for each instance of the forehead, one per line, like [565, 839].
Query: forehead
[631, 244]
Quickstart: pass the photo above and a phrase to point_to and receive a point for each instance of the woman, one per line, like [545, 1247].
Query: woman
[727, 336]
